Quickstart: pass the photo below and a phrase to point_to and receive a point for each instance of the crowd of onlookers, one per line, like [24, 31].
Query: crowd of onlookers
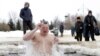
[85, 29]
[88, 28]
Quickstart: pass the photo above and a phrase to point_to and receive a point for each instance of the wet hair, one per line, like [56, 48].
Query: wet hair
[44, 22]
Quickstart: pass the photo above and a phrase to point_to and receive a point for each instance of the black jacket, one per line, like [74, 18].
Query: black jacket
[79, 26]
[61, 28]
[90, 20]
[26, 14]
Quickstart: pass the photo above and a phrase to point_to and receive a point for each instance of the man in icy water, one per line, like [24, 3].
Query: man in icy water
[42, 41]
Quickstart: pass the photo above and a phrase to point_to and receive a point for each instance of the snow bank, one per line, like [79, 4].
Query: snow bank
[11, 34]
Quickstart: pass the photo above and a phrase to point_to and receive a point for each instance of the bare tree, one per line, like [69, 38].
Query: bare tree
[11, 25]
[18, 26]
[56, 22]
[13, 20]
[67, 23]
[13, 15]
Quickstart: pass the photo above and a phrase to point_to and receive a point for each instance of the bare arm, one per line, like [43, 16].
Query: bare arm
[30, 35]
[56, 40]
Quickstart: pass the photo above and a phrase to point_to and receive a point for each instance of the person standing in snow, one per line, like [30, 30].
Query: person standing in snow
[89, 26]
[61, 29]
[79, 29]
[26, 15]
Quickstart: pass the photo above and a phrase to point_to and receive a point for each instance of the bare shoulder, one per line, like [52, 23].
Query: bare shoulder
[35, 35]
[51, 36]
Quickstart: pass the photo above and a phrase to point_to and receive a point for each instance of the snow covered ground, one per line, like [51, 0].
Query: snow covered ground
[12, 41]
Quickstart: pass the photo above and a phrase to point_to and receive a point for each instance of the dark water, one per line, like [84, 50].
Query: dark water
[76, 55]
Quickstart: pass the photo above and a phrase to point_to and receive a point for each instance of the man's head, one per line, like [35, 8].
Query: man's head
[78, 19]
[90, 13]
[44, 29]
[26, 5]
